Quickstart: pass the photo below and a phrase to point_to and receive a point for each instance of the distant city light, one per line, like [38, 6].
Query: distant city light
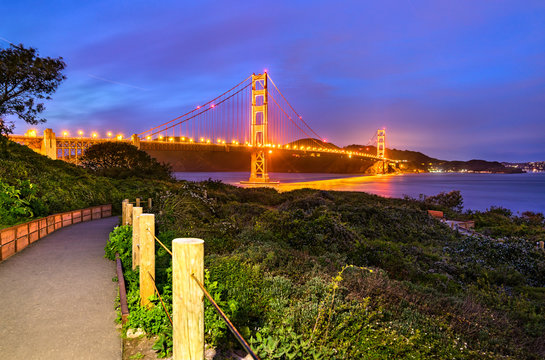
[119, 137]
[109, 134]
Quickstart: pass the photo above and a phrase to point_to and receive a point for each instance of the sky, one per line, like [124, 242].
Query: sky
[457, 80]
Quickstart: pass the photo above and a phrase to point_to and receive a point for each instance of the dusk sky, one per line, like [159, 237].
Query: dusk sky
[456, 80]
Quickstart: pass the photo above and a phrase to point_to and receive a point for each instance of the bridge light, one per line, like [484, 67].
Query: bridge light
[198, 107]
[223, 141]
[350, 156]
[300, 117]
[212, 105]
[270, 151]
[208, 141]
[161, 137]
[183, 138]
[65, 133]
[109, 134]
[80, 133]
[191, 140]
[201, 139]
[94, 135]
[171, 139]
[148, 137]
[119, 137]
[31, 133]
[274, 146]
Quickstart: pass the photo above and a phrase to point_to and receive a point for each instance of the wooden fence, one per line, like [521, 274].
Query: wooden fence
[18, 237]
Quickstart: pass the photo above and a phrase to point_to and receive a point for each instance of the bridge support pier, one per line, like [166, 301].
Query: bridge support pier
[258, 129]
[49, 144]
[135, 140]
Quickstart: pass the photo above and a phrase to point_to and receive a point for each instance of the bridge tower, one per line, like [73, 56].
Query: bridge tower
[381, 143]
[258, 129]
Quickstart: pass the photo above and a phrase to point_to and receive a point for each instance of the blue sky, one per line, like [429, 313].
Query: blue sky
[456, 80]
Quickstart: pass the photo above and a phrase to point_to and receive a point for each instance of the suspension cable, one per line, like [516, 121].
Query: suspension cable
[181, 116]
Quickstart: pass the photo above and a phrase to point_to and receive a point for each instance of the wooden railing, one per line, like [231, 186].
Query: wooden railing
[18, 237]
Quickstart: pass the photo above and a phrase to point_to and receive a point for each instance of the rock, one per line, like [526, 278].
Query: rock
[135, 333]
[209, 354]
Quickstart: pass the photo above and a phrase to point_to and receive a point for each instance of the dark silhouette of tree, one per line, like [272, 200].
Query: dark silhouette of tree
[452, 200]
[25, 80]
[122, 160]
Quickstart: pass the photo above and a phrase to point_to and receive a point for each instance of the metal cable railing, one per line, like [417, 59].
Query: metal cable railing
[224, 317]
[160, 298]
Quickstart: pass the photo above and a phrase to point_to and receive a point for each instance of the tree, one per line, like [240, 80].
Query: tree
[452, 200]
[122, 160]
[25, 80]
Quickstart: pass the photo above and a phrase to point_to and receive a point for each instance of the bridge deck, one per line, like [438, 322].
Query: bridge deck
[56, 297]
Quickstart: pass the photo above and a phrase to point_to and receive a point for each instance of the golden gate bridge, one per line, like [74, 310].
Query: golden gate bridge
[253, 116]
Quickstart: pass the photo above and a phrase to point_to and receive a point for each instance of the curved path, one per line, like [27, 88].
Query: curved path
[57, 297]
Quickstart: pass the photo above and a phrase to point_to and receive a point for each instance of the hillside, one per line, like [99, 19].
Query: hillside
[32, 185]
[340, 275]
[420, 161]
[318, 274]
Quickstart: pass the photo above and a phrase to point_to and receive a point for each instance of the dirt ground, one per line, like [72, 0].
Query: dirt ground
[139, 348]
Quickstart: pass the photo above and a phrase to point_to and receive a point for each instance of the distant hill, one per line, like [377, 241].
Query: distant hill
[312, 142]
[422, 161]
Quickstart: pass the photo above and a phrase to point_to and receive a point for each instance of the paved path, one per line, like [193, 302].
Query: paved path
[57, 297]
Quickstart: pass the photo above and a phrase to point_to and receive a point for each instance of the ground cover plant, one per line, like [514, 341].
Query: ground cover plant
[311, 274]
[32, 186]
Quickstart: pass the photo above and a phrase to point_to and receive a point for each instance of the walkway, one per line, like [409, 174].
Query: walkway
[57, 297]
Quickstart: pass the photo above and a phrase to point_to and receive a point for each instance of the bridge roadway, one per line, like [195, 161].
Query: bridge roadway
[57, 297]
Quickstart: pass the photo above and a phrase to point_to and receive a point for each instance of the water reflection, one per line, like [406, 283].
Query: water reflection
[377, 184]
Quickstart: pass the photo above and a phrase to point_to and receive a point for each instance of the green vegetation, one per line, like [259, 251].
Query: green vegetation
[339, 275]
[317, 274]
[31, 186]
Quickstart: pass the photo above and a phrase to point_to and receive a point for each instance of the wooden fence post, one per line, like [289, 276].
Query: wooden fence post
[187, 299]
[147, 257]
[136, 212]
[149, 204]
[542, 245]
[123, 212]
[128, 208]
